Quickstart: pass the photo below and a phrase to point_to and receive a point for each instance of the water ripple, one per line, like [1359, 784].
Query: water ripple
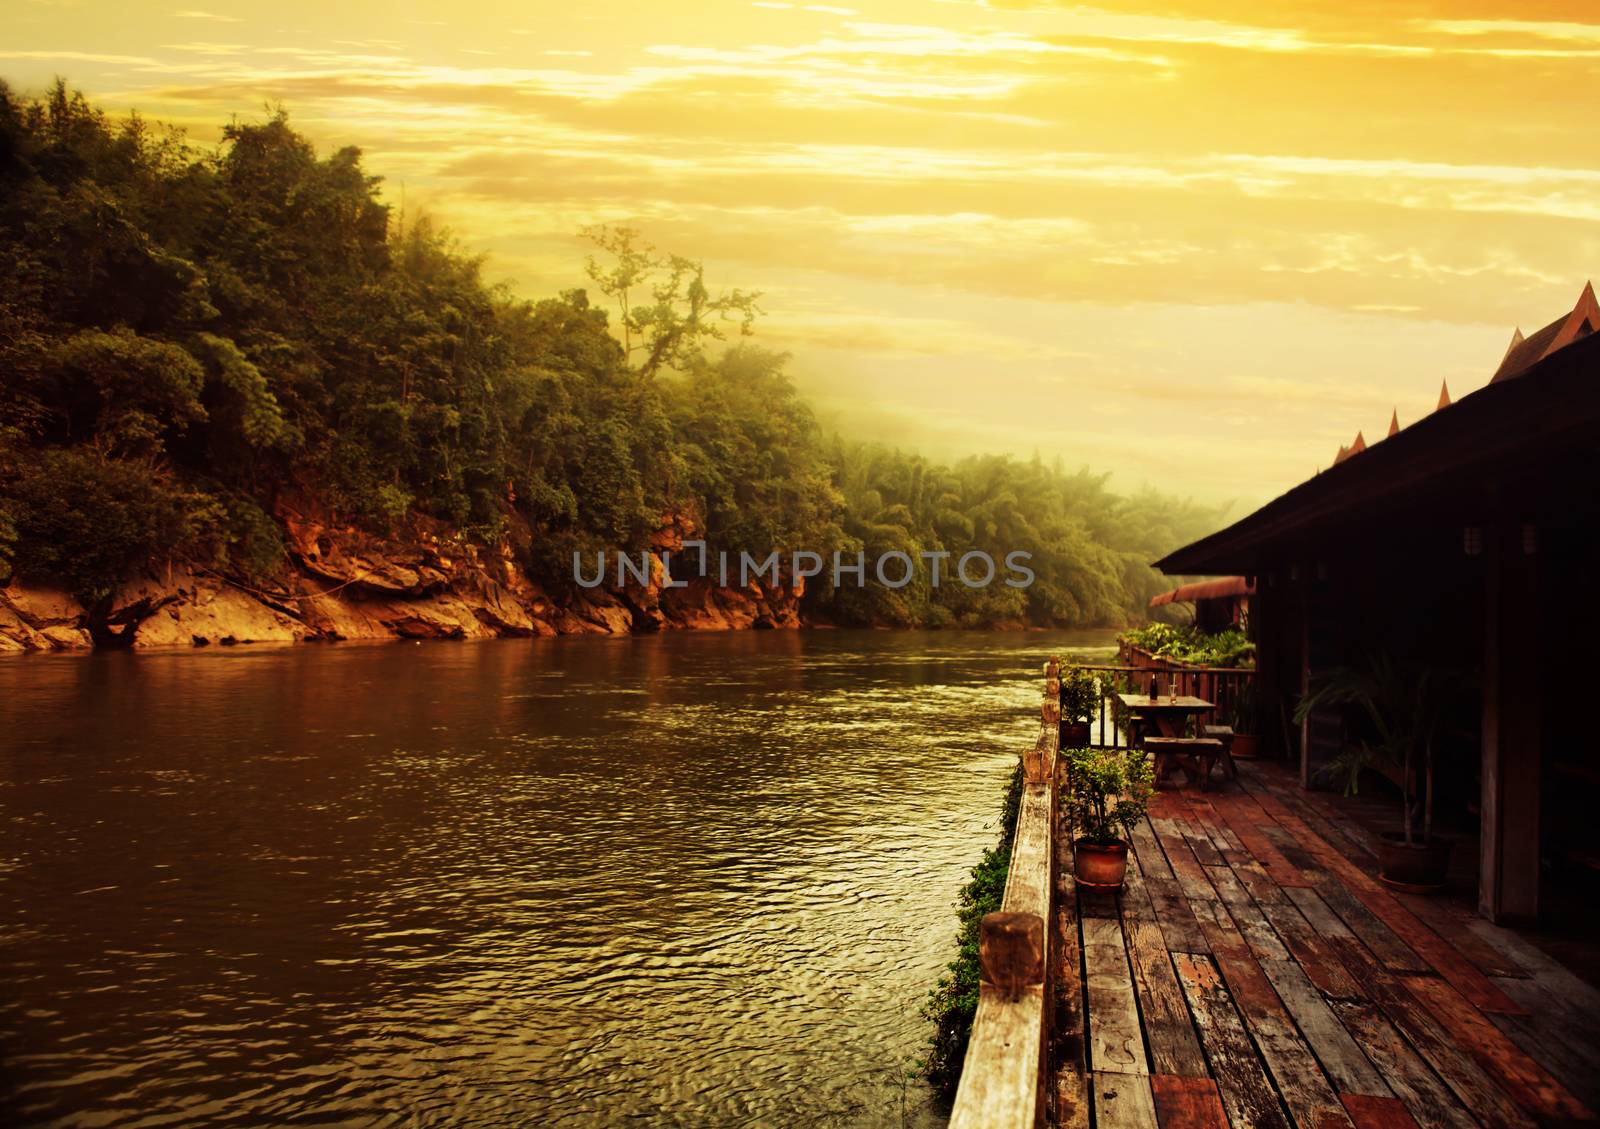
[673, 881]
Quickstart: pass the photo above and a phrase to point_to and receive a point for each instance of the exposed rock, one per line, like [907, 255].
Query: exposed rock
[178, 607]
[340, 582]
[694, 608]
[40, 617]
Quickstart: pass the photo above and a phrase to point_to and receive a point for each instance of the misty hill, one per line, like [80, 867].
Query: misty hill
[234, 375]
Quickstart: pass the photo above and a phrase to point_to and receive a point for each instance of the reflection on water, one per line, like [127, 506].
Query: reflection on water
[695, 880]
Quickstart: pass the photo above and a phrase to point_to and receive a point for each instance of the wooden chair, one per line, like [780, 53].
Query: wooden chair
[1195, 755]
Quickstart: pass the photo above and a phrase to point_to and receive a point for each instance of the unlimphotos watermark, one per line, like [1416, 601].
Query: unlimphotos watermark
[894, 569]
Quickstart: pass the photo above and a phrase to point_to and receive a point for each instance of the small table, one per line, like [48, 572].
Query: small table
[1170, 715]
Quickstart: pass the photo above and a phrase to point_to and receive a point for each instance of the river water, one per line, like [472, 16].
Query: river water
[682, 880]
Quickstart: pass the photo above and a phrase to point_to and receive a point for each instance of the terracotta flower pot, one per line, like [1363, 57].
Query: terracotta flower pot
[1100, 866]
[1244, 747]
[1418, 868]
[1074, 734]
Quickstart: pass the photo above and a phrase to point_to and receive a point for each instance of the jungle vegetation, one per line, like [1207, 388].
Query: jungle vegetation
[189, 335]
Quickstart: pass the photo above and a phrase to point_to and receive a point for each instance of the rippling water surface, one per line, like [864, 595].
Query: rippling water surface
[696, 880]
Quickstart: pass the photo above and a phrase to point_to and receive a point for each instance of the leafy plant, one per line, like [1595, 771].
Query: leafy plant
[1405, 707]
[1242, 709]
[1080, 694]
[1107, 792]
[1191, 645]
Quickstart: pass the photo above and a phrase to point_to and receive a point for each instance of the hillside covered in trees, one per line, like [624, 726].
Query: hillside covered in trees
[194, 343]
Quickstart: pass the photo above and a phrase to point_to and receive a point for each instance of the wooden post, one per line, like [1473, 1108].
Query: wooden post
[1037, 765]
[1303, 602]
[1508, 867]
[1011, 951]
[1052, 697]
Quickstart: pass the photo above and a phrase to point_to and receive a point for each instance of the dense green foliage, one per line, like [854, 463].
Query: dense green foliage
[191, 337]
[1080, 694]
[1190, 645]
[953, 1002]
[1106, 792]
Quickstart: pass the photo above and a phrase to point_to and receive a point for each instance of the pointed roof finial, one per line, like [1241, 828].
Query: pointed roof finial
[1583, 320]
[1359, 445]
[1444, 395]
[1394, 422]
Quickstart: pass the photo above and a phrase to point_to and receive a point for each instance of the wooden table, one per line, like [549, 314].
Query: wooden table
[1170, 715]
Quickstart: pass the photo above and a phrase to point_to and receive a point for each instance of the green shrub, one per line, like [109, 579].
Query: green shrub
[1107, 792]
[1191, 645]
[8, 538]
[1080, 694]
[89, 518]
[241, 535]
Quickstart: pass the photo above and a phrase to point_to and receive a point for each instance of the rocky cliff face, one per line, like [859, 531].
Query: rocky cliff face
[342, 583]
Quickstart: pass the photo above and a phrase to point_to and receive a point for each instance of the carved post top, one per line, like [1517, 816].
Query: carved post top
[1011, 951]
[1052, 669]
[1036, 765]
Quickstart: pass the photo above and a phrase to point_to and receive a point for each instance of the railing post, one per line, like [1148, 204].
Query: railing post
[1011, 951]
[1051, 707]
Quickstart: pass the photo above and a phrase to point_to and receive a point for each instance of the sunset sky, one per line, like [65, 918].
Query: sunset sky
[1195, 242]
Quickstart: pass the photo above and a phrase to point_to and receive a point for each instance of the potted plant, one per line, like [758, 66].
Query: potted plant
[1107, 791]
[1242, 718]
[1404, 709]
[1080, 698]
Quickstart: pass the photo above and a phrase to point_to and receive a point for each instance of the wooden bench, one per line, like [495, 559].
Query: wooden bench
[1223, 733]
[1195, 755]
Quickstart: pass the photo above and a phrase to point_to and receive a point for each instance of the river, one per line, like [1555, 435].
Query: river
[681, 880]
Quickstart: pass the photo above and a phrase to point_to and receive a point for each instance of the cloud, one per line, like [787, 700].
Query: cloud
[1541, 29]
[1279, 219]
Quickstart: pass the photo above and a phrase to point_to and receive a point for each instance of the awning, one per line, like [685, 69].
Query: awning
[1218, 589]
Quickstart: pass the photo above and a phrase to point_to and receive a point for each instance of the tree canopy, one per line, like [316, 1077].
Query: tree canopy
[187, 335]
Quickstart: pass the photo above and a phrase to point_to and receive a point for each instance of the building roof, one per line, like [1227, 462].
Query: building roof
[1552, 406]
[1582, 320]
[1357, 445]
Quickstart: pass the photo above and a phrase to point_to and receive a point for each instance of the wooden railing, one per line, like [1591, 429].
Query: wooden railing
[1220, 685]
[1003, 1076]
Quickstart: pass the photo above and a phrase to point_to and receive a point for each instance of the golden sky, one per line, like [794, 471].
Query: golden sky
[1195, 242]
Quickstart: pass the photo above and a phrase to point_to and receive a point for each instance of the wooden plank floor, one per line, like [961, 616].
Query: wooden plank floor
[1254, 972]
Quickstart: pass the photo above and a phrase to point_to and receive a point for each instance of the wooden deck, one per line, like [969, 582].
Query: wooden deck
[1254, 973]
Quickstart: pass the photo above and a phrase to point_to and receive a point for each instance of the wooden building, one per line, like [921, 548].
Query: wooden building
[1467, 542]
